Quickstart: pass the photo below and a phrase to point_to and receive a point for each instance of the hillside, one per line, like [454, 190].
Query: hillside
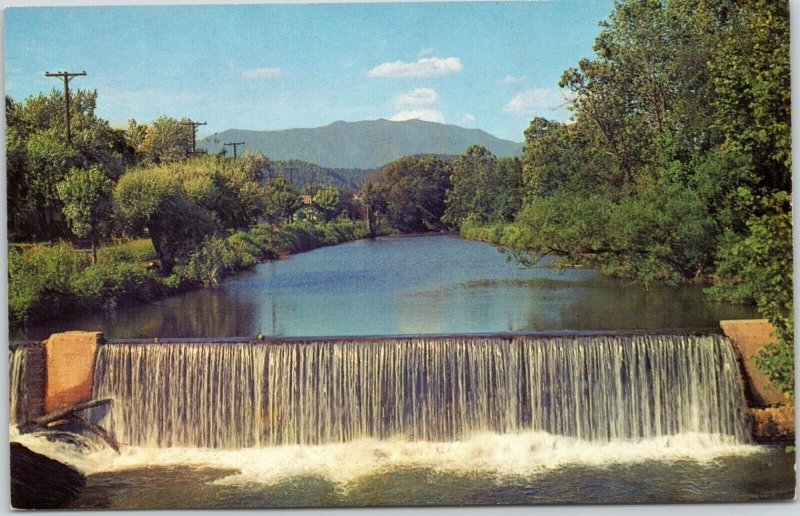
[362, 145]
[301, 172]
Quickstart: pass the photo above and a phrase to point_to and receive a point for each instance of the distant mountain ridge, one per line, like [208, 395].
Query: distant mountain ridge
[363, 145]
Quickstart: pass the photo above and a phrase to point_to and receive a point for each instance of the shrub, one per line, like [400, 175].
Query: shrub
[109, 285]
[137, 251]
[208, 264]
[39, 280]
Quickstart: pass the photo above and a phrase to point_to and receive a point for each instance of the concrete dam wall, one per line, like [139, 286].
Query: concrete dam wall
[592, 385]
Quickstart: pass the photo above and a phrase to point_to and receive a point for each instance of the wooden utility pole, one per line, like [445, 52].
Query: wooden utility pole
[194, 125]
[234, 144]
[66, 76]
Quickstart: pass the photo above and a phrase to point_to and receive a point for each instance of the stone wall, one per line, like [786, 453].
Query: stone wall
[747, 337]
[70, 368]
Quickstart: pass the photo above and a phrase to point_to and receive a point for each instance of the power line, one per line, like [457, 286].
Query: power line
[234, 144]
[194, 125]
[66, 76]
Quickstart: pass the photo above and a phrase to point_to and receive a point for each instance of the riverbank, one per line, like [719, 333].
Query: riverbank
[56, 281]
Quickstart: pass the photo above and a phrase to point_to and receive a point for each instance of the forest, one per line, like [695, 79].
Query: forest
[675, 166]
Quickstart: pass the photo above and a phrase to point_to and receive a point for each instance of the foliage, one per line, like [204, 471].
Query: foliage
[281, 200]
[38, 157]
[105, 286]
[127, 250]
[86, 195]
[39, 280]
[482, 188]
[328, 202]
[152, 199]
[208, 263]
[415, 190]
[758, 267]
[169, 140]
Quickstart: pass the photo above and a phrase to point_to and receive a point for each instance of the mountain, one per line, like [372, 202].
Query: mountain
[301, 172]
[363, 145]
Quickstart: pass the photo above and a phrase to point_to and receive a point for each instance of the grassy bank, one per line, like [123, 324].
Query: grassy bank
[50, 281]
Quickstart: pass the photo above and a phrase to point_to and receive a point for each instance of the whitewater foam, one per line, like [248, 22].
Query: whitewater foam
[497, 455]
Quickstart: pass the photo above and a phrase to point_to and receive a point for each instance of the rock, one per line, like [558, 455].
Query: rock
[773, 424]
[39, 482]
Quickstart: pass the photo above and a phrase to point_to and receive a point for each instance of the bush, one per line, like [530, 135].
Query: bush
[247, 252]
[208, 264]
[109, 285]
[136, 251]
[39, 280]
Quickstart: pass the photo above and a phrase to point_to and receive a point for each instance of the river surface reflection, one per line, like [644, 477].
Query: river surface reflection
[406, 285]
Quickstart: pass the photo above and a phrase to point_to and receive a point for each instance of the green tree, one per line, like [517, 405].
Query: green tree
[281, 201]
[170, 140]
[86, 195]
[758, 267]
[38, 157]
[483, 188]
[328, 202]
[415, 192]
[152, 199]
[373, 198]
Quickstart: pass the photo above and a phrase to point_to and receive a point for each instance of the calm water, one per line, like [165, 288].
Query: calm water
[407, 285]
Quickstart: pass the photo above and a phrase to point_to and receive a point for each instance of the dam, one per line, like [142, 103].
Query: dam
[233, 395]
[346, 410]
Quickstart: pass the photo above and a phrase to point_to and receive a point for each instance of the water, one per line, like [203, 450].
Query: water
[16, 367]
[423, 421]
[417, 420]
[407, 285]
[597, 389]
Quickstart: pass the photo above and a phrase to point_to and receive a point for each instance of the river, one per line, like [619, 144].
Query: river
[406, 285]
[423, 420]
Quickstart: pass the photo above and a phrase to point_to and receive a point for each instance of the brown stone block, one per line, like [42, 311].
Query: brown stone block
[70, 368]
[748, 336]
[773, 424]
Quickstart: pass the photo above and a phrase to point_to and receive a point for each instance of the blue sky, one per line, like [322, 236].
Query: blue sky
[493, 66]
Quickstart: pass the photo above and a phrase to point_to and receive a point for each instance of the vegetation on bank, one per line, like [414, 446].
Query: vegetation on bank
[59, 280]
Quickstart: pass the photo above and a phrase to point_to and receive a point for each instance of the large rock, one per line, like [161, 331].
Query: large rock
[39, 482]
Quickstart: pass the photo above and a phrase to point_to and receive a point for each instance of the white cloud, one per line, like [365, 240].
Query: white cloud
[425, 67]
[416, 97]
[510, 79]
[535, 100]
[428, 115]
[261, 73]
[468, 118]
[425, 52]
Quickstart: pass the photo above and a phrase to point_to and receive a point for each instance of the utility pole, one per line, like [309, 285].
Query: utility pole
[234, 144]
[66, 76]
[194, 125]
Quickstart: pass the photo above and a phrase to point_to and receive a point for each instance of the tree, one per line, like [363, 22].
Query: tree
[415, 192]
[86, 194]
[483, 188]
[170, 140]
[327, 201]
[373, 198]
[280, 200]
[152, 199]
[38, 157]
[758, 267]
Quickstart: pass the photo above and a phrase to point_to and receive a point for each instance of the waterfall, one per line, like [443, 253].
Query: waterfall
[16, 368]
[597, 388]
